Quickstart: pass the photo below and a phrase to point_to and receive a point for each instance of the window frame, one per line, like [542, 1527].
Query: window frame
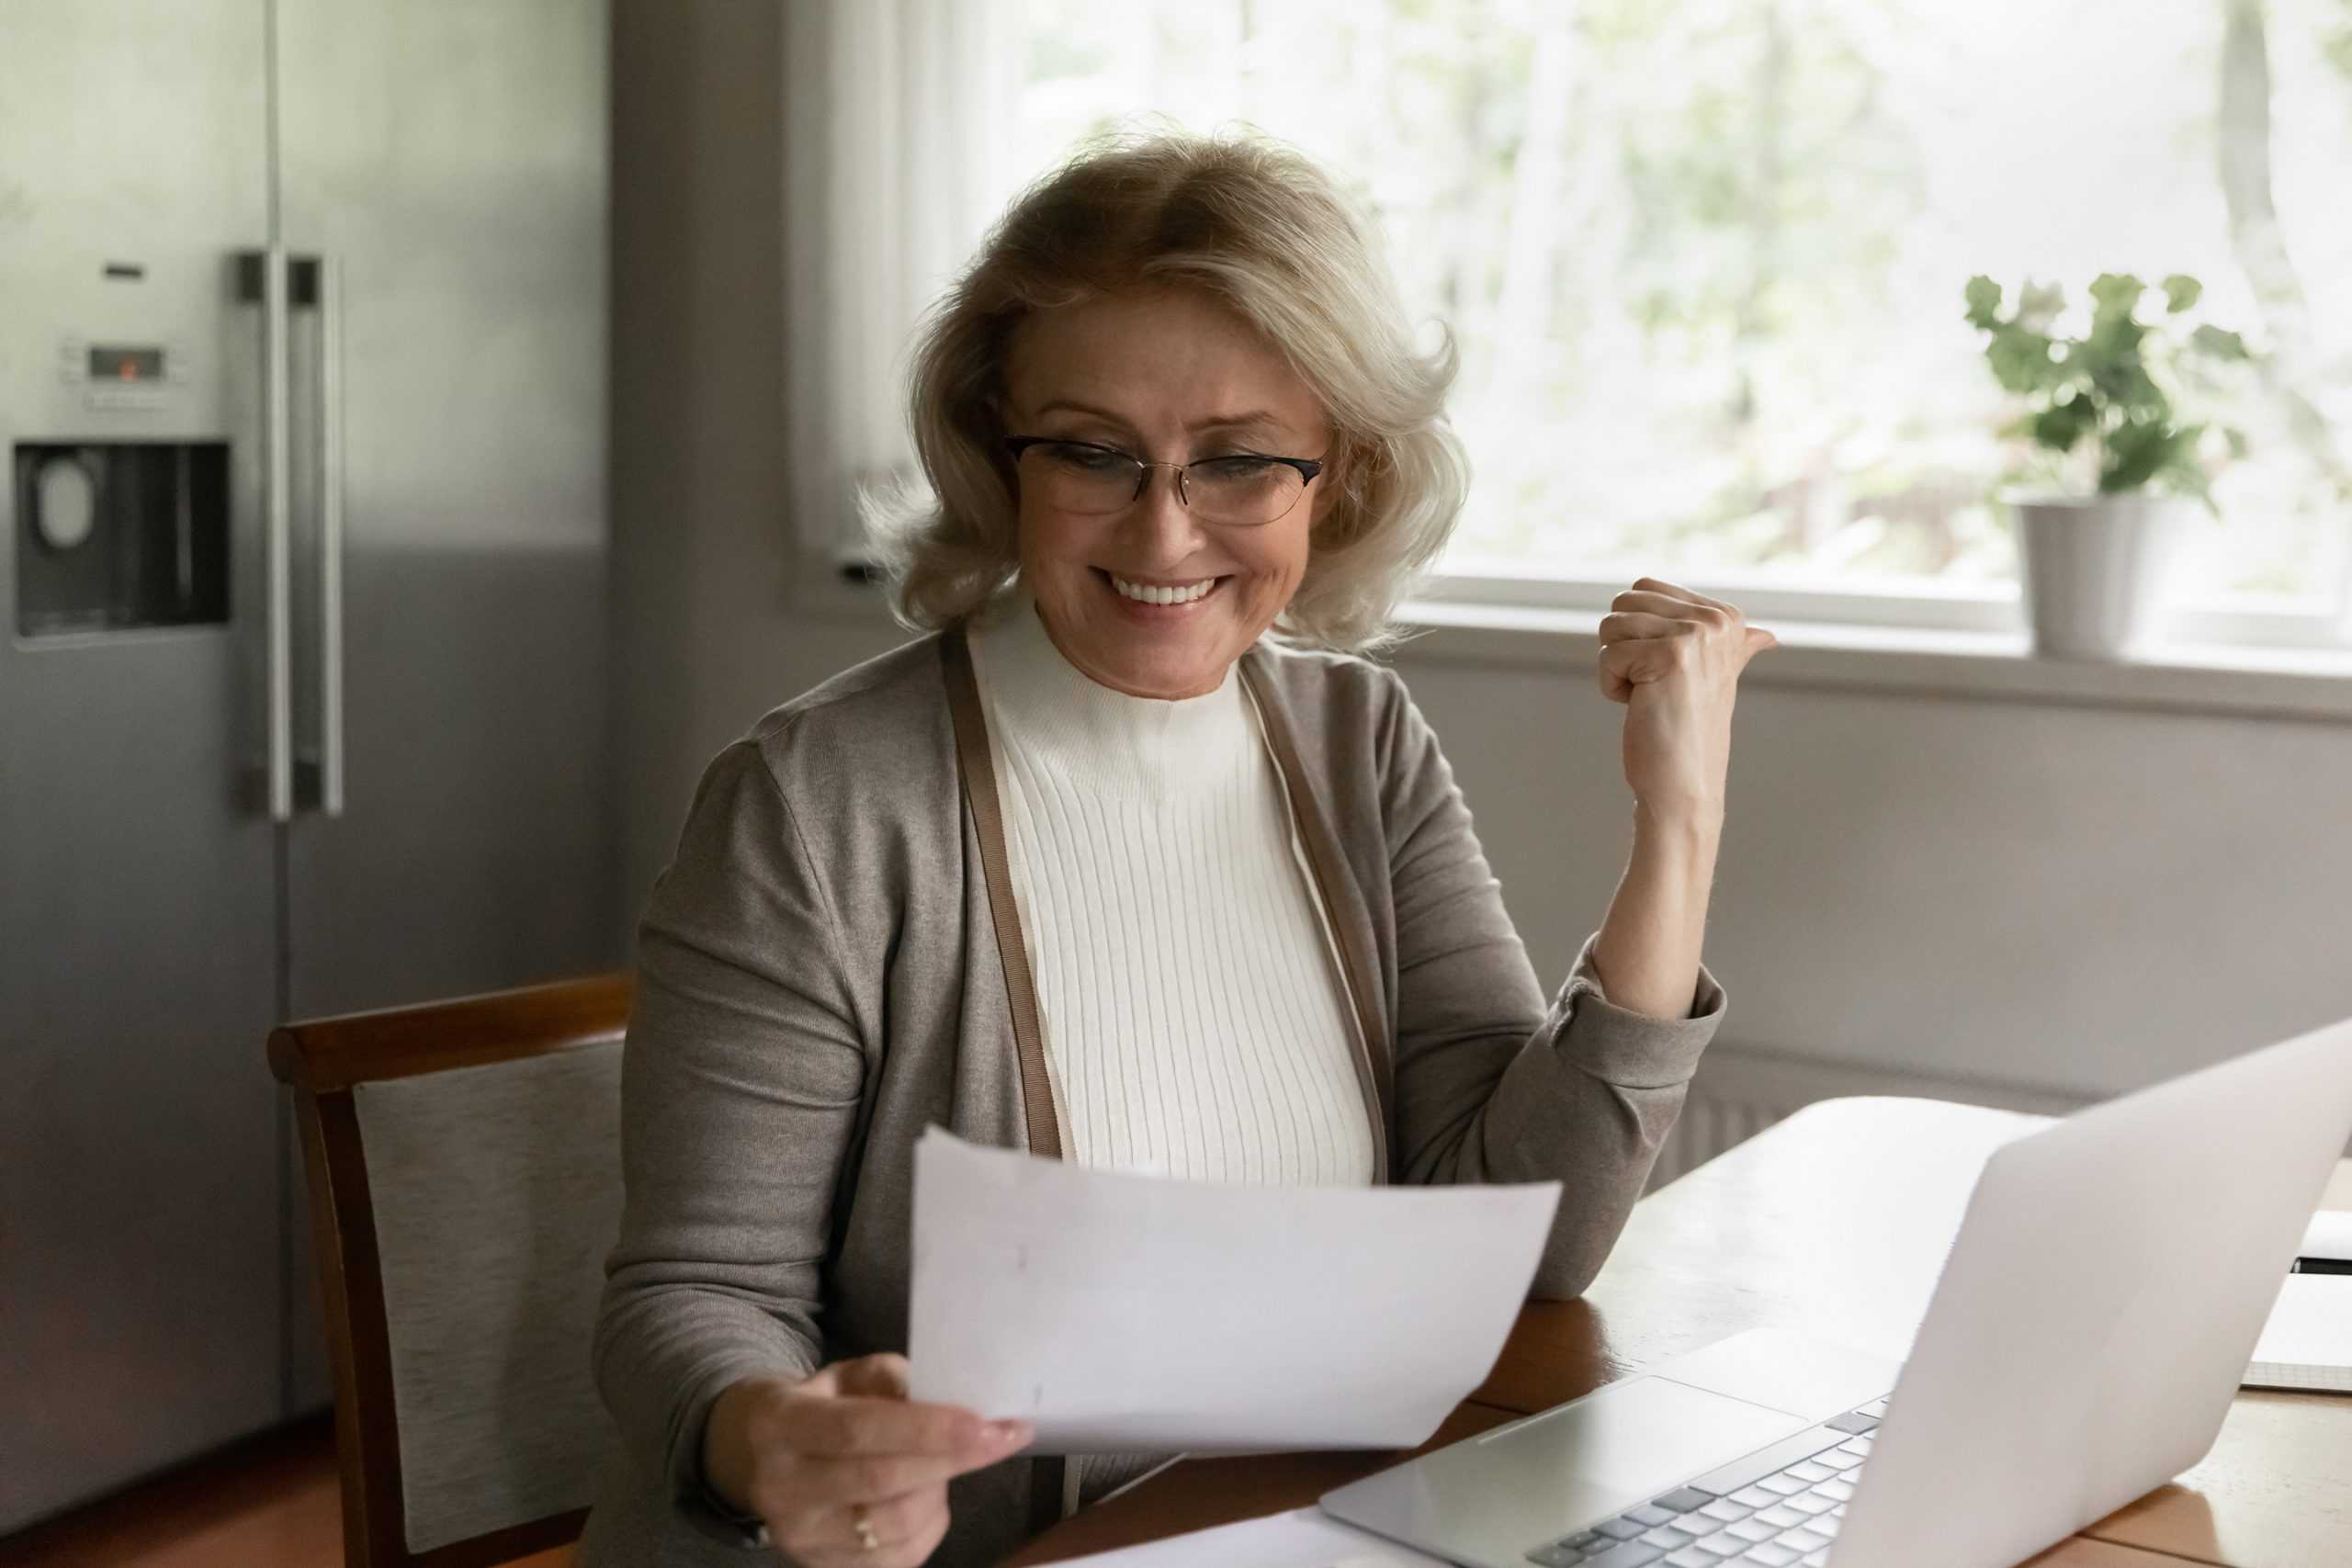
[2320, 622]
[1912, 604]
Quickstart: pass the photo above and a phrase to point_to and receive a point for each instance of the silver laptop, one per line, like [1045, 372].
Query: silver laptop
[2091, 1323]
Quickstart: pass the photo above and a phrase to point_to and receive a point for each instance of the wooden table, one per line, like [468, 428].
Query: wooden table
[1835, 1221]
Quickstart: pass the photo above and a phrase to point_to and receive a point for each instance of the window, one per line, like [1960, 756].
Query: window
[1704, 259]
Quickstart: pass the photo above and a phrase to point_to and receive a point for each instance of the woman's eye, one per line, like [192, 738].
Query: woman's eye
[1087, 459]
[1237, 468]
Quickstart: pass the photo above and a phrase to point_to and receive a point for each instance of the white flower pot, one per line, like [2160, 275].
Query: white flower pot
[2096, 572]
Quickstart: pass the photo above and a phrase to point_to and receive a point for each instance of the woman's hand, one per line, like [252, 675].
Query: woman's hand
[817, 1458]
[1674, 659]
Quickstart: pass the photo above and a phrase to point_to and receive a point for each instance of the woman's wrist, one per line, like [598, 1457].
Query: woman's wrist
[1647, 952]
[726, 1456]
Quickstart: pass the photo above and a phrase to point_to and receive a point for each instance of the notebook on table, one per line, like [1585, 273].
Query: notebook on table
[2307, 1343]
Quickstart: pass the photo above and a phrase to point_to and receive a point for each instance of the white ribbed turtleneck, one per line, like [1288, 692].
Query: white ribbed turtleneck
[1193, 1016]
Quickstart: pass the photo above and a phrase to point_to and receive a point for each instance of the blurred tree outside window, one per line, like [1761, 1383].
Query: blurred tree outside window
[1703, 258]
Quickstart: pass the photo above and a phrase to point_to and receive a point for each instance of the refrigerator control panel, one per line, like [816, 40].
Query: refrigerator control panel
[116, 374]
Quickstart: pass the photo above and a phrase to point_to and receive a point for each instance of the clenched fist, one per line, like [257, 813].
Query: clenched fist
[1674, 659]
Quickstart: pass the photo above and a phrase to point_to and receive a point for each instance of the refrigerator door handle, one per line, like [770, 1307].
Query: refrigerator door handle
[277, 546]
[330, 276]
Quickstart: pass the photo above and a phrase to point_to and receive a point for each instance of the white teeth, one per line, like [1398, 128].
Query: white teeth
[1146, 593]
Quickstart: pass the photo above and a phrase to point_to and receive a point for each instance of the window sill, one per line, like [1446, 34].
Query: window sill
[2279, 682]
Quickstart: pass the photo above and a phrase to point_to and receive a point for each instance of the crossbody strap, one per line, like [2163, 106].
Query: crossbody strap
[973, 763]
[1047, 1475]
[1376, 1063]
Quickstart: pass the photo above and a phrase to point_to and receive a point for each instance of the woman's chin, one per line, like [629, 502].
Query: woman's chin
[1165, 673]
[1164, 652]
[1174, 684]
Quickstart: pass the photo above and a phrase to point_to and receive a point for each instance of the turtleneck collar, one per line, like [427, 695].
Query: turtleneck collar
[1058, 716]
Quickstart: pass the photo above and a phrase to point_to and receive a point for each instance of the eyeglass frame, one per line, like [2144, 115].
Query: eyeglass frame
[1309, 470]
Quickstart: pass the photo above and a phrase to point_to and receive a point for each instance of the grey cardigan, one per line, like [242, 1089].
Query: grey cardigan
[820, 979]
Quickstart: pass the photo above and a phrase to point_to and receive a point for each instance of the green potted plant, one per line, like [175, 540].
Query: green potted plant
[2101, 500]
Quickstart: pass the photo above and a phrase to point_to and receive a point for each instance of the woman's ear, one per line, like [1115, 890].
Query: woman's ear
[1000, 409]
[1327, 483]
[998, 418]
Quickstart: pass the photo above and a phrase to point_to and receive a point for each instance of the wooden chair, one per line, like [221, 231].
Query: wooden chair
[465, 1185]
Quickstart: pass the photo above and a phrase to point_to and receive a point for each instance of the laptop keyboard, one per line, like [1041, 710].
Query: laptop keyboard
[1778, 1507]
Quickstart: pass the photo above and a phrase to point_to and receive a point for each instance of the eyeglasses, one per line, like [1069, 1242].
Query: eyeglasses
[1243, 491]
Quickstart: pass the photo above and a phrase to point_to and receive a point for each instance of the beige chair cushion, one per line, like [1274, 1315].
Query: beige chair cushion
[497, 1193]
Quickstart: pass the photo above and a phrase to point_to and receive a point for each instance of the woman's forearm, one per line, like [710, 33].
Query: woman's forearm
[1647, 952]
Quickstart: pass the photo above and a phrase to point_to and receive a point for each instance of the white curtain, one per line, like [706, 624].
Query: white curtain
[896, 129]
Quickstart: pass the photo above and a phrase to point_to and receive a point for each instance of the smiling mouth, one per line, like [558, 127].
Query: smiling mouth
[1161, 593]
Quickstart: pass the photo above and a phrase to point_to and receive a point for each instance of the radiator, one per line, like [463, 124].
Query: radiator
[1739, 1092]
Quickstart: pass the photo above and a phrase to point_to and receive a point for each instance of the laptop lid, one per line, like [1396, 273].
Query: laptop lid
[2107, 1286]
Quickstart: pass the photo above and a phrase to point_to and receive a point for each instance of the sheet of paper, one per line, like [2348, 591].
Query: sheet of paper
[1307, 1537]
[1135, 1312]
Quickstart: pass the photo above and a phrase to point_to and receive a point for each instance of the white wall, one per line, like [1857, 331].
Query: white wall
[2076, 900]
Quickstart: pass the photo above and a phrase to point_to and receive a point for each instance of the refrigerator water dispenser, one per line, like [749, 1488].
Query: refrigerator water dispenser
[113, 536]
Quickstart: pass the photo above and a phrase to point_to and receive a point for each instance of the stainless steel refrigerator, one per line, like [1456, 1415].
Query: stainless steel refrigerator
[303, 691]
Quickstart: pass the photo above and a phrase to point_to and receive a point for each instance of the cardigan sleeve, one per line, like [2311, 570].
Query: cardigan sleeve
[1491, 1085]
[740, 1087]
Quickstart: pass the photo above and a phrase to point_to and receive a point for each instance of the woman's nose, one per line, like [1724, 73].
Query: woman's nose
[1161, 521]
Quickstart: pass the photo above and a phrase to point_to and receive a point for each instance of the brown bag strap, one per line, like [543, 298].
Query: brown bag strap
[1047, 1474]
[996, 867]
[1341, 905]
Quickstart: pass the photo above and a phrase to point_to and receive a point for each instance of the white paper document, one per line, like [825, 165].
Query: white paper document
[1125, 1312]
[1304, 1537]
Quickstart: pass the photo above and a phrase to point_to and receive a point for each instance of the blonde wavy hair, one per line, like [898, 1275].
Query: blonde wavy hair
[1259, 227]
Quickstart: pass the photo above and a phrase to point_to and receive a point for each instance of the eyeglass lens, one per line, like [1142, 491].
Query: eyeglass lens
[1088, 481]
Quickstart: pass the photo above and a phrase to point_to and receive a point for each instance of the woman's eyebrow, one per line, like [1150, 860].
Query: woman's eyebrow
[1261, 418]
[1067, 406]
[1253, 419]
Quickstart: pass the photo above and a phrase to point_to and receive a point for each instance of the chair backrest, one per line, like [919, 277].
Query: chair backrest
[465, 1185]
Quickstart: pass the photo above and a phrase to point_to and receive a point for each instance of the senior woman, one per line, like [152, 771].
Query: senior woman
[1130, 862]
